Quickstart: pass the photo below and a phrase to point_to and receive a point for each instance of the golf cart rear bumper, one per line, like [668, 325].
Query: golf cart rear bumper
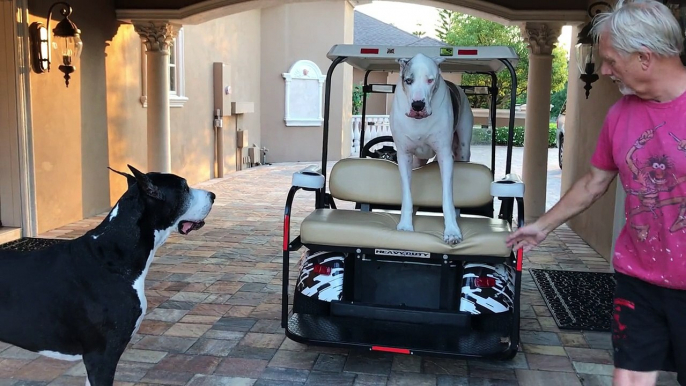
[493, 342]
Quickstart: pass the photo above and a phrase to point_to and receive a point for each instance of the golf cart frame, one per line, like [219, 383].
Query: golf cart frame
[410, 299]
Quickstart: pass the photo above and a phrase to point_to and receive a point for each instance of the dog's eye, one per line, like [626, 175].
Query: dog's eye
[431, 81]
[408, 80]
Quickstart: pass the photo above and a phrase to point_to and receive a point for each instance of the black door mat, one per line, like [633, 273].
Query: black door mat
[577, 300]
[29, 244]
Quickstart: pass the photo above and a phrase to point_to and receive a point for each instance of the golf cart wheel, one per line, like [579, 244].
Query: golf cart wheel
[386, 152]
[560, 150]
[511, 354]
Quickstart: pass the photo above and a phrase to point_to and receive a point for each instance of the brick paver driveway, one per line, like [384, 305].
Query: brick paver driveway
[214, 308]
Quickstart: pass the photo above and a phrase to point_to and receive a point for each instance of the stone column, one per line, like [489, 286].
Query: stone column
[157, 37]
[541, 39]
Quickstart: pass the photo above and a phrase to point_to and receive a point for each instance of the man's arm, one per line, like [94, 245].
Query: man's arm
[585, 191]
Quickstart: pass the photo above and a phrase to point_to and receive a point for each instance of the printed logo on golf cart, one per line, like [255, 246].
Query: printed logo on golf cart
[390, 51]
[392, 252]
[446, 51]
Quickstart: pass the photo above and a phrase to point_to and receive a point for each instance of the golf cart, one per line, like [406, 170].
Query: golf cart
[363, 284]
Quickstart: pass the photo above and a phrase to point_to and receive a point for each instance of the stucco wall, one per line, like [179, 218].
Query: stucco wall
[233, 40]
[99, 121]
[126, 115]
[582, 127]
[288, 35]
[70, 124]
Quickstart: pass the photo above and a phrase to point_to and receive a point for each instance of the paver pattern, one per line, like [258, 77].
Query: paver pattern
[214, 309]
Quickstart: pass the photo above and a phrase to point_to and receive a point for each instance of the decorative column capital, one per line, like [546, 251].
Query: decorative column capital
[541, 37]
[156, 35]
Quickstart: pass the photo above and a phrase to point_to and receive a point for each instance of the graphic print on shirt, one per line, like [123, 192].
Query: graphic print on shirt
[655, 175]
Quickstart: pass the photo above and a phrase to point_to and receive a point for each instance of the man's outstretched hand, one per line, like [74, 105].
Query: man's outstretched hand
[526, 237]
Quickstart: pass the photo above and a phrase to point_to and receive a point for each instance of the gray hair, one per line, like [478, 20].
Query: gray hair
[634, 25]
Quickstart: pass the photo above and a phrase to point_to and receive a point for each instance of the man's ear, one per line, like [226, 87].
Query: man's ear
[645, 58]
[130, 180]
[145, 185]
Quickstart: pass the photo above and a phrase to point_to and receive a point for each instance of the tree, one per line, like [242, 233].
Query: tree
[557, 100]
[446, 26]
[419, 32]
[459, 29]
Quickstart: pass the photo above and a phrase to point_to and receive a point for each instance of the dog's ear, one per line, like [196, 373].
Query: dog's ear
[145, 185]
[130, 180]
[439, 60]
[403, 62]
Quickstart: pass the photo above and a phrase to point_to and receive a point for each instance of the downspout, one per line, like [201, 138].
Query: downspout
[219, 140]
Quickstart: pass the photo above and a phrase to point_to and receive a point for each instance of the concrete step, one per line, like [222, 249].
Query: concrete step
[8, 234]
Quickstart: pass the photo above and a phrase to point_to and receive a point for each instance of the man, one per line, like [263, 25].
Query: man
[643, 139]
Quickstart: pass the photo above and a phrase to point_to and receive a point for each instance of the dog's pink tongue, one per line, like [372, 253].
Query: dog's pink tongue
[186, 226]
[416, 114]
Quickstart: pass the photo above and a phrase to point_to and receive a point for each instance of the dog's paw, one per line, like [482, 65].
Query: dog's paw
[405, 227]
[452, 236]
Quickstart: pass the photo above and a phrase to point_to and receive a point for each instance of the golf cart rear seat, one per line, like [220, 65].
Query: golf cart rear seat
[377, 181]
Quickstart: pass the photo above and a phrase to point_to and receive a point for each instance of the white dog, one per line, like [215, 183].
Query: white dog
[429, 117]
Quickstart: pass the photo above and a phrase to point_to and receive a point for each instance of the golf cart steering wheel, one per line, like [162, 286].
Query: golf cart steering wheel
[386, 152]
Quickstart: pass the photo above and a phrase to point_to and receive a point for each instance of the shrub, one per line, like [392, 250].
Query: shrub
[482, 136]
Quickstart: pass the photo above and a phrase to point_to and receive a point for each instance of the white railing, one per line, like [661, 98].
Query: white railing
[377, 126]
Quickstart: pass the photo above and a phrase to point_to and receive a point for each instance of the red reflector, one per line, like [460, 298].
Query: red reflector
[286, 228]
[322, 269]
[467, 52]
[485, 282]
[369, 50]
[391, 349]
[520, 258]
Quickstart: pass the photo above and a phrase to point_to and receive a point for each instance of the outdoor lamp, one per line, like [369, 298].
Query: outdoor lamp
[585, 49]
[67, 43]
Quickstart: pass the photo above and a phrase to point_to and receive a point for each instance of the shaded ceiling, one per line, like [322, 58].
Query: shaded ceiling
[519, 5]
[196, 11]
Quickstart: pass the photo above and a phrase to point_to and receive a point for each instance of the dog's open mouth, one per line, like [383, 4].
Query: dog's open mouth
[185, 227]
[417, 114]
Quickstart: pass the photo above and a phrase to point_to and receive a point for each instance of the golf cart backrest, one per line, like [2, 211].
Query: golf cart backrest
[377, 181]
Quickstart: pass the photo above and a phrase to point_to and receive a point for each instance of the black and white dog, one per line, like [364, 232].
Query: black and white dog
[85, 298]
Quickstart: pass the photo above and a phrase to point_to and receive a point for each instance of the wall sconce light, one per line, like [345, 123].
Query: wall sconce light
[585, 48]
[67, 43]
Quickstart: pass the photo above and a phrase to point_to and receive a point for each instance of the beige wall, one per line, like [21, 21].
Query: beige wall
[233, 40]
[98, 121]
[289, 34]
[126, 116]
[70, 124]
[583, 123]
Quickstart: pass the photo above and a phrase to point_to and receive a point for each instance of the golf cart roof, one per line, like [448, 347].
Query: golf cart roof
[457, 59]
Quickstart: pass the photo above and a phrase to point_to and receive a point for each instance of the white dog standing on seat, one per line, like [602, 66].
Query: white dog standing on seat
[425, 123]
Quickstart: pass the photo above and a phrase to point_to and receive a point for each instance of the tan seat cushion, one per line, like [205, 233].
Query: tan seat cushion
[377, 181]
[354, 228]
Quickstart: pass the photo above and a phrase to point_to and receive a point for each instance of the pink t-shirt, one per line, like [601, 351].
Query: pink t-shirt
[645, 142]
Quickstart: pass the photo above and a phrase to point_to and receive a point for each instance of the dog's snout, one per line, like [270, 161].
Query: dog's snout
[212, 197]
[418, 105]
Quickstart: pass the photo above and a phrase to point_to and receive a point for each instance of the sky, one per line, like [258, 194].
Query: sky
[406, 16]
